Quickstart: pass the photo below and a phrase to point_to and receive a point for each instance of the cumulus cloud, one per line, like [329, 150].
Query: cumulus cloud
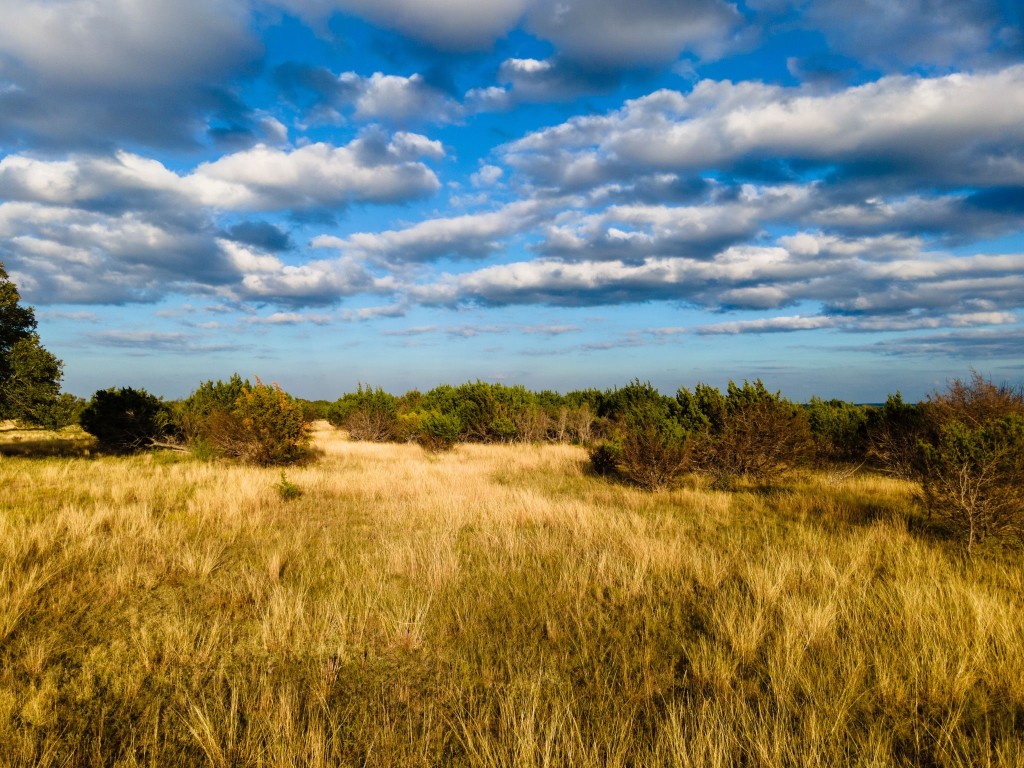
[634, 232]
[931, 32]
[370, 168]
[609, 34]
[899, 126]
[394, 99]
[472, 236]
[871, 283]
[89, 72]
[70, 255]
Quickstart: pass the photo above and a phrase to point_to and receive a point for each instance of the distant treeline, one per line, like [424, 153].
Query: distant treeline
[964, 447]
[482, 412]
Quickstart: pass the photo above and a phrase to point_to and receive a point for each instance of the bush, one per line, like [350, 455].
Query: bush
[893, 435]
[254, 423]
[439, 431]
[748, 432]
[648, 445]
[604, 459]
[127, 420]
[973, 479]
[839, 430]
[970, 462]
[367, 414]
[654, 454]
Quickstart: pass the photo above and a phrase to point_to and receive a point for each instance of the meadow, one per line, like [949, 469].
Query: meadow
[496, 605]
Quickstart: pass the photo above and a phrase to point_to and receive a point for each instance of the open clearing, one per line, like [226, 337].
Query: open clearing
[494, 606]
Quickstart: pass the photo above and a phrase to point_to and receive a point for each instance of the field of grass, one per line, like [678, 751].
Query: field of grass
[494, 606]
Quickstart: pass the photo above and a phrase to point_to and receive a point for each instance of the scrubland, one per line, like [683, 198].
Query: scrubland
[491, 606]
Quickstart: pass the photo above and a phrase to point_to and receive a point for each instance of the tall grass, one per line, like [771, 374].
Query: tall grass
[495, 606]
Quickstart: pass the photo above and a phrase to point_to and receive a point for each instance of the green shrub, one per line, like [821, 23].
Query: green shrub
[839, 430]
[748, 432]
[973, 479]
[894, 433]
[970, 462]
[604, 458]
[127, 420]
[654, 454]
[439, 431]
[367, 414]
[647, 445]
[254, 423]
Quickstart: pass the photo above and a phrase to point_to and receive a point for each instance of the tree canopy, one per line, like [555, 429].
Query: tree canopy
[29, 375]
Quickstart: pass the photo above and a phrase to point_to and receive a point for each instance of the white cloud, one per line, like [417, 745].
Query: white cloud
[470, 236]
[319, 175]
[368, 169]
[487, 176]
[959, 129]
[90, 72]
[620, 33]
[398, 99]
[115, 44]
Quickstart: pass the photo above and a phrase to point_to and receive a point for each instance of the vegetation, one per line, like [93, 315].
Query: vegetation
[254, 423]
[971, 464]
[127, 420]
[29, 375]
[494, 605]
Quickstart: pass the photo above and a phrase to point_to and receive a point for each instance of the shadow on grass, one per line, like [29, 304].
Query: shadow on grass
[41, 443]
[49, 448]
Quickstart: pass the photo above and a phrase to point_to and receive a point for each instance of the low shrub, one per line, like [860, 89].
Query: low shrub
[748, 432]
[254, 423]
[127, 420]
[439, 431]
[970, 462]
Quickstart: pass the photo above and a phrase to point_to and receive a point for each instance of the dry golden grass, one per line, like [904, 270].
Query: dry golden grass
[493, 606]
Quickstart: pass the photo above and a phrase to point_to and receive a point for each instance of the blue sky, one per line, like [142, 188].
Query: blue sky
[826, 194]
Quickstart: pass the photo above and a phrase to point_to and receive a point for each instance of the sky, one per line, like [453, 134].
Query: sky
[824, 194]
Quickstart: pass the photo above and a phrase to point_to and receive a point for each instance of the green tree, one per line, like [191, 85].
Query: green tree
[29, 375]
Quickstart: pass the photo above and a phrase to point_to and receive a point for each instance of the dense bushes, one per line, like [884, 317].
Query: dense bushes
[367, 414]
[255, 423]
[747, 432]
[646, 444]
[471, 412]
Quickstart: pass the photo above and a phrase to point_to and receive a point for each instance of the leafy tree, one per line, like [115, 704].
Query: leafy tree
[29, 375]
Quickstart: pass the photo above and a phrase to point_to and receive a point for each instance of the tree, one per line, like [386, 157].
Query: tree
[29, 375]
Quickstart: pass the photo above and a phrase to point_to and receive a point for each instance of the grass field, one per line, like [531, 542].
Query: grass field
[495, 606]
